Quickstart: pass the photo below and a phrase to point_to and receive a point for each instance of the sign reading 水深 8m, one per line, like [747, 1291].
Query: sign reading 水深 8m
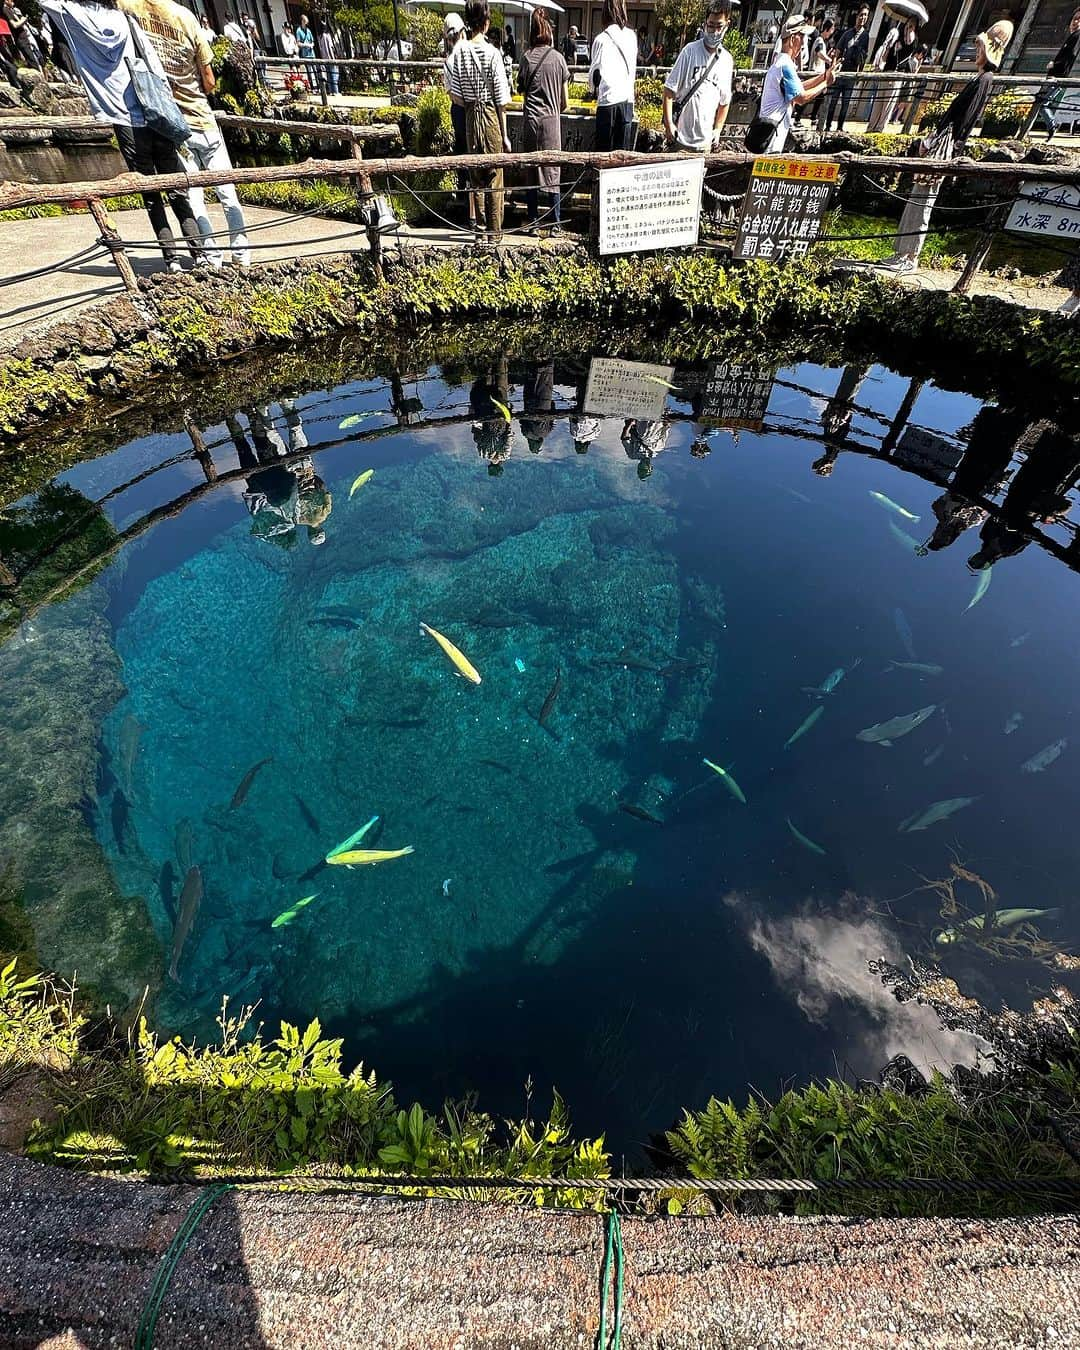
[1046, 209]
[783, 207]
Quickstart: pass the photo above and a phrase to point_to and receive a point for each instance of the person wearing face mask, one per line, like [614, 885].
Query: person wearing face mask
[697, 93]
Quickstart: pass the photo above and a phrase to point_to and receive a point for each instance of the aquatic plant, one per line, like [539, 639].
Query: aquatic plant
[135, 1103]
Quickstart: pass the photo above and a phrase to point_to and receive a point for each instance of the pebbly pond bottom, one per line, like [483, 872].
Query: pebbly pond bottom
[763, 652]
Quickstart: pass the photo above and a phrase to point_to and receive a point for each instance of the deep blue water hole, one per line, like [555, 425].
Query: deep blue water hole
[690, 579]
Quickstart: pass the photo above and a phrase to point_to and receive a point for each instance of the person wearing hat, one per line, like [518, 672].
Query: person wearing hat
[568, 46]
[782, 90]
[957, 123]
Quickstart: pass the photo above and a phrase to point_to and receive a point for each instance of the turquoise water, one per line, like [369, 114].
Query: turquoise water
[677, 585]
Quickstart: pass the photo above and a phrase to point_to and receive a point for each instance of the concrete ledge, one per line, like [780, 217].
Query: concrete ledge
[78, 1254]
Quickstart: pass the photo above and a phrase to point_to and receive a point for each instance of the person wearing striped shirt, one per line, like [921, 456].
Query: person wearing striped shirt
[477, 80]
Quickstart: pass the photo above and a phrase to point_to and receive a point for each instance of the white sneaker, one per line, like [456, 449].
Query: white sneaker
[175, 265]
[1070, 306]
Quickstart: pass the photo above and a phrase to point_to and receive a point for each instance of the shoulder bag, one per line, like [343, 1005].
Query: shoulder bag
[154, 97]
[680, 103]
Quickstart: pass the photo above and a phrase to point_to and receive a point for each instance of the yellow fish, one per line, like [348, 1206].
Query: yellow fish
[360, 481]
[460, 661]
[502, 408]
[358, 857]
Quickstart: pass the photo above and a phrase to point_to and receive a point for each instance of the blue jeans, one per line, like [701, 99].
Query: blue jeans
[614, 126]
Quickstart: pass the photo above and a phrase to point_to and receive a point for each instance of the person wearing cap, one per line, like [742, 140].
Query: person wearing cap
[853, 45]
[957, 123]
[782, 89]
[568, 46]
[700, 85]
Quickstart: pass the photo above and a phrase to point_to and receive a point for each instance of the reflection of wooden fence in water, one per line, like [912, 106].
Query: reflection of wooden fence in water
[796, 429]
[365, 173]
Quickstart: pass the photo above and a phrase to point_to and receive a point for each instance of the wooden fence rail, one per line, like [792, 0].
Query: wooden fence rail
[31, 194]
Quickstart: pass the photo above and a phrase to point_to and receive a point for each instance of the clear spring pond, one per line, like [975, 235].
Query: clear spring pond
[649, 567]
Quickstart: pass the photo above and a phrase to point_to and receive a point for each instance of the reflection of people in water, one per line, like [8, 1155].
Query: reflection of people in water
[489, 404]
[1039, 493]
[407, 408]
[280, 497]
[538, 420]
[836, 418]
[992, 439]
[643, 439]
[584, 427]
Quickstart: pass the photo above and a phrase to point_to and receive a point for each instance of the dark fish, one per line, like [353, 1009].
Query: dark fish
[680, 668]
[549, 702]
[121, 814]
[494, 764]
[131, 730]
[190, 898]
[244, 787]
[639, 813]
[630, 661]
[305, 811]
[184, 844]
[401, 723]
[333, 621]
[167, 886]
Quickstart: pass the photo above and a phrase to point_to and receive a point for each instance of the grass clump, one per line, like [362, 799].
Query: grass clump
[132, 1102]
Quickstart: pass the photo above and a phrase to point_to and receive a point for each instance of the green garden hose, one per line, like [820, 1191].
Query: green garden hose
[613, 1261]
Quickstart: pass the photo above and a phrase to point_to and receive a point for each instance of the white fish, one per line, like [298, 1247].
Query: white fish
[884, 733]
[981, 587]
[1019, 641]
[1013, 722]
[920, 667]
[934, 755]
[1044, 758]
[890, 505]
[904, 539]
[446, 887]
[933, 813]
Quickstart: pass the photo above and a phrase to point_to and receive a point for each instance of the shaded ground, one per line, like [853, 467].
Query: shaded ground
[77, 1256]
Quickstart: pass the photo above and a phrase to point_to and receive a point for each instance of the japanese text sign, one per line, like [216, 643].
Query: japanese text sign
[784, 203]
[651, 207]
[627, 388]
[1046, 209]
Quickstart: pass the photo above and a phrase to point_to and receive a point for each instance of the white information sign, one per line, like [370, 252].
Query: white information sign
[1050, 209]
[628, 389]
[658, 206]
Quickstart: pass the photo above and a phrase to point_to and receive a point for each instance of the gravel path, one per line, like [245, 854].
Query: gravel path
[77, 1256]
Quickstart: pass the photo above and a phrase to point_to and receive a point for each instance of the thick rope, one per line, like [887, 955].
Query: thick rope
[144, 1336]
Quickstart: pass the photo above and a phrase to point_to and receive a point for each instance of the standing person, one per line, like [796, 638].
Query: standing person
[697, 92]
[187, 60]
[896, 54]
[817, 62]
[543, 80]
[100, 38]
[478, 83]
[305, 46]
[286, 44]
[453, 33]
[510, 44]
[782, 90]
[329, 52]
[568, 46]
[1070, 276]
[8, 56]
[611, 73]
[853, 45]
[23, 35]
[209, 31]
[496, 40]
[957, 123]
[1050, 96]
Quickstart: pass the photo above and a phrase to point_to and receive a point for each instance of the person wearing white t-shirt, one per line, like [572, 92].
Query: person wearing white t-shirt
[782, 89]
[699, 85]
[611, 74]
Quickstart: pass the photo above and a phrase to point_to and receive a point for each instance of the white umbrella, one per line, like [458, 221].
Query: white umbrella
[906, 9]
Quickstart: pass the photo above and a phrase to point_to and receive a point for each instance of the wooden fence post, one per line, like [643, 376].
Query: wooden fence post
[995, 219]
[114, 244]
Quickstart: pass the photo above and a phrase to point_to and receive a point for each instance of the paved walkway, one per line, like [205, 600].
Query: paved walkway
[303, 1272]
[53, 267]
